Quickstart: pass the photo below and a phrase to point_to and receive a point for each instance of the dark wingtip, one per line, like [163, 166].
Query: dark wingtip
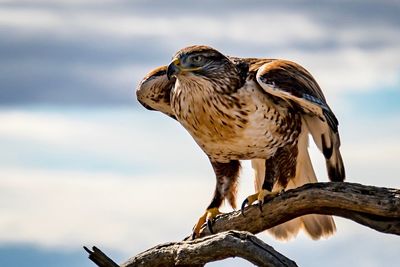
[331, 119]
[336, 172]
[327, 151]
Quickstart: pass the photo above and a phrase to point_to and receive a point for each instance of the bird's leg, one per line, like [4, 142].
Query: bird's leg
[260, 197]
[226, 174]
[211, 212]
[265, 192]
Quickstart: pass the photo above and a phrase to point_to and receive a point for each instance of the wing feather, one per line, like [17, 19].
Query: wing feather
[292, 82]
[154, 91]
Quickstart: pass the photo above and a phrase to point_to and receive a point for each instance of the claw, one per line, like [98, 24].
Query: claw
[208, 219]
[244, 205]
[209, 225]
[260, 196]
[248, 201]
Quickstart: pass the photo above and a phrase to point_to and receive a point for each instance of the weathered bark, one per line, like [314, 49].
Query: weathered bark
[211, 248]
[375, 207]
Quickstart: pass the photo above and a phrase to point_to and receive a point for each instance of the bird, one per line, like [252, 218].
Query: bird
[256, 109]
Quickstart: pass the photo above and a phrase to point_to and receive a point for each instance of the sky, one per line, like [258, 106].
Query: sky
[82, 163]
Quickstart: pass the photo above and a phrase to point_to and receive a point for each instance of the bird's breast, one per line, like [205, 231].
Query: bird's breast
[243, 125]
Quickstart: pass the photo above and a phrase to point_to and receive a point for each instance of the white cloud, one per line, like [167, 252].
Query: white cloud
[350, 61]
[68, 208]
[352, 69]
[25, 18]
[274, 28]
[133, 137]
[123, 135]
[61, 21]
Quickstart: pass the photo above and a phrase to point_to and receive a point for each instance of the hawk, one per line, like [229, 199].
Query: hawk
[255, 109]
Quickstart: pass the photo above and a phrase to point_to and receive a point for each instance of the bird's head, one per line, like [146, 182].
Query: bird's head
[199, 61]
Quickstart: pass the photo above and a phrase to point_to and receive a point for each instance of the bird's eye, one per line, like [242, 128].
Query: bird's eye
[197, 59]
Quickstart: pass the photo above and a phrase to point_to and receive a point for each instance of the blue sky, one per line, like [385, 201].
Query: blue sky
[81, 163]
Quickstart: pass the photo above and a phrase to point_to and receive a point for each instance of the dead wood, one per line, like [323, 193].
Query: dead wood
[374, 207]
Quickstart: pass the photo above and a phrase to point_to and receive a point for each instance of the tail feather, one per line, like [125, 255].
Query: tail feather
[287, 230]
[328, 141]
[334, 164]
[314, 225]
[317, 226]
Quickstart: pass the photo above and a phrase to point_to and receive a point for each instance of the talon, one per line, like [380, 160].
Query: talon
[257, 196]
[244, 205]
[208, 219]
[260, 205]
[209, 225]
[197, 227]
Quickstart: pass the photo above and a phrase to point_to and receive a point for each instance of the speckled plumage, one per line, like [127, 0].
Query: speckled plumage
[249, 109]
[242, 125]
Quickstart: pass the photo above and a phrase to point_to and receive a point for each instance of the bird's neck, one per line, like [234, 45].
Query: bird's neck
[193, 96]
[200, 108]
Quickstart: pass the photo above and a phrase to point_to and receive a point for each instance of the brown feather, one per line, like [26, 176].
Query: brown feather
[250, 108]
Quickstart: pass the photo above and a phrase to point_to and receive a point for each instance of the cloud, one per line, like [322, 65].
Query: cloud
[105, 139]
[10, 255]
[147, 187]
[129, 141]
[69, 209]
[95, 52]
[77, 176]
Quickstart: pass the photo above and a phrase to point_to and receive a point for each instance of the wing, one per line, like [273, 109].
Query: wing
[153, 92]
[291, 82]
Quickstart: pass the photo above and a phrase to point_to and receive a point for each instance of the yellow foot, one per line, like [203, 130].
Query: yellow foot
[207, 217]
[260, 196]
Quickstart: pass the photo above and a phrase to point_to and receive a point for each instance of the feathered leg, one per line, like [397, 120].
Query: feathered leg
[226, 187]
[264, 183]
[274, 177]
[316, 226]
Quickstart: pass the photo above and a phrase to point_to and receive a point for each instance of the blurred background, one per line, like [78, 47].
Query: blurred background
[82, 163]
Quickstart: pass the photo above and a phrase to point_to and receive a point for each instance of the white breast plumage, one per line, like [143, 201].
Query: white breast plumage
[243, 126]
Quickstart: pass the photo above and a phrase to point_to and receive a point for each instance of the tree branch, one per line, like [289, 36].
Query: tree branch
[216, 247]
[99, 258]
[375, 207]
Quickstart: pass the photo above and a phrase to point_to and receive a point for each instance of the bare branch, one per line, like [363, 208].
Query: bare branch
[203, 250]
[375, 207]
[99, 258]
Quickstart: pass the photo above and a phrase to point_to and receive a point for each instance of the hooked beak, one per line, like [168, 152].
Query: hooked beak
[173, 68]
